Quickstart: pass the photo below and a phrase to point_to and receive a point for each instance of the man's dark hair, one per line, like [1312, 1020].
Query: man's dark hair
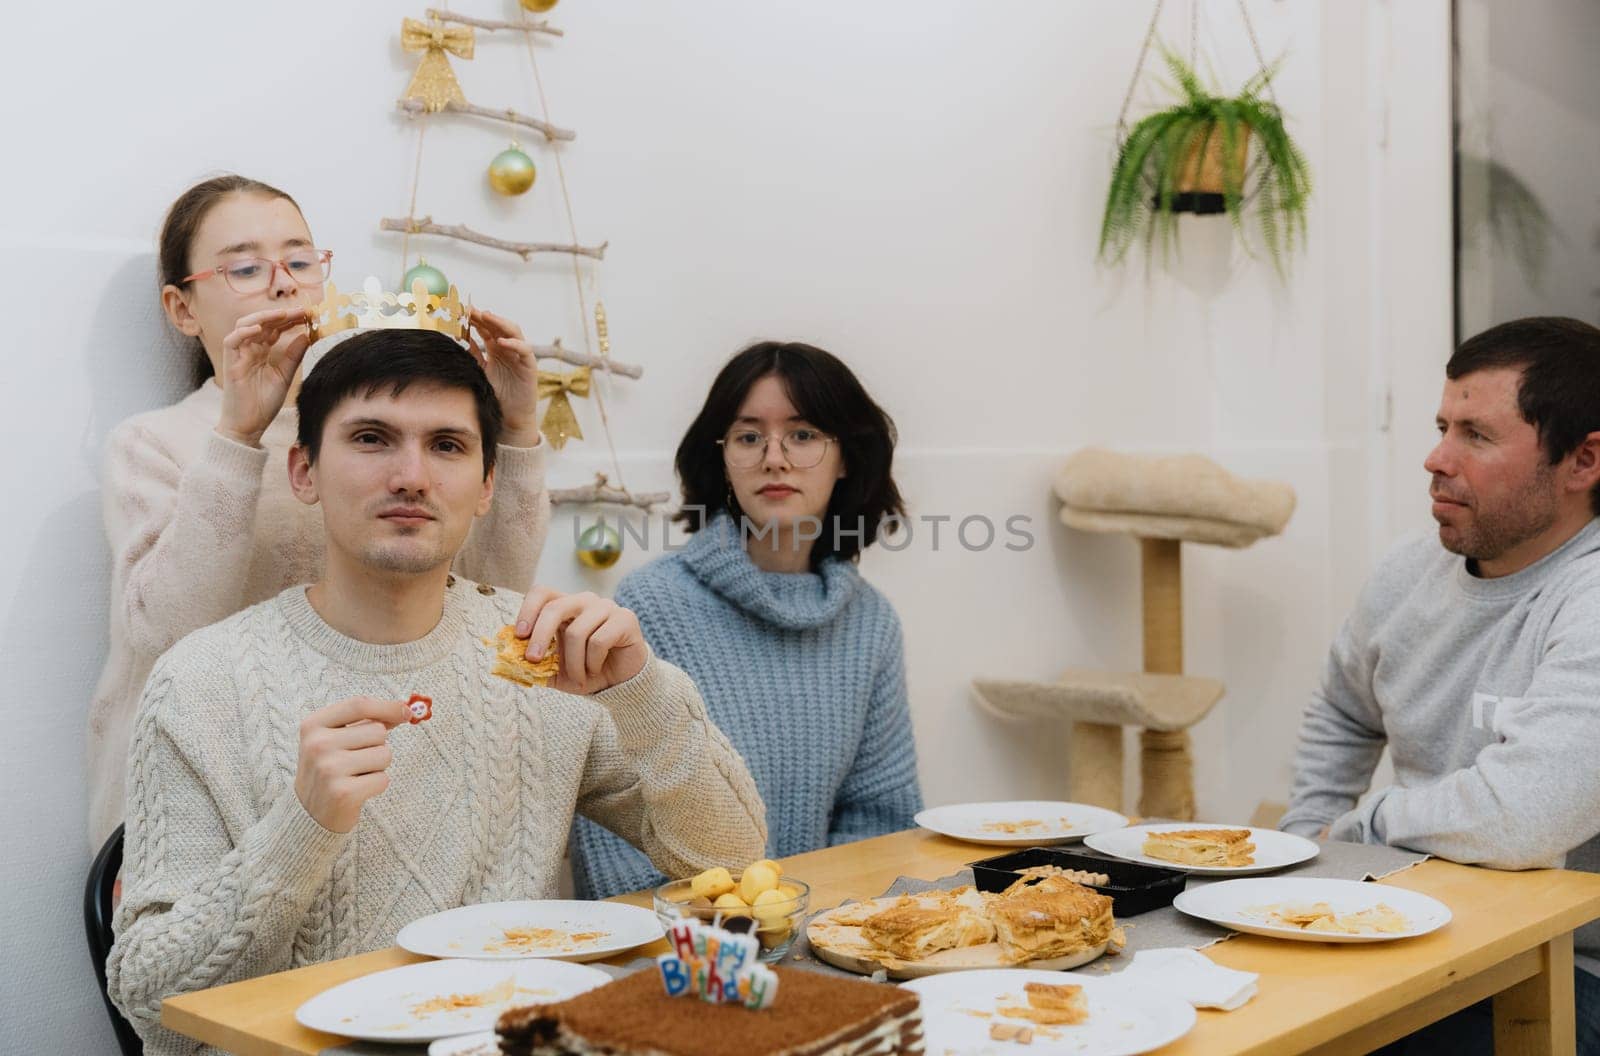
[826, 394]
[396, 359]
[1559, 393]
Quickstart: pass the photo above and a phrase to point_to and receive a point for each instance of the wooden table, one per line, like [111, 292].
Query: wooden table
[1511, 938]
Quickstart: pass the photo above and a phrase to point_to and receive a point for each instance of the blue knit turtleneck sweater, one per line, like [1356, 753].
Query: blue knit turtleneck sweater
[804, 672]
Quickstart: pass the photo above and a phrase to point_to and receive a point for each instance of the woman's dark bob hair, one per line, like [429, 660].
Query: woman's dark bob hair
[827, 395]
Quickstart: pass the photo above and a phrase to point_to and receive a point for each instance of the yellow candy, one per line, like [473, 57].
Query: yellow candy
[729, 901]
[789, 891]
[756, 879]
[711, 883]
[770, 864]
[772, 906]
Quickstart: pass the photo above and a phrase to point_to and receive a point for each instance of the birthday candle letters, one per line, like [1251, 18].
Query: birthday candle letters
[718, 965]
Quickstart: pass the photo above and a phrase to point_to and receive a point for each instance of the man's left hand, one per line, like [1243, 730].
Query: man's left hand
[601, 644]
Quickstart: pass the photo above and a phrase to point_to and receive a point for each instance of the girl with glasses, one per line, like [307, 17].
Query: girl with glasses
[786, 477]
[197, 505]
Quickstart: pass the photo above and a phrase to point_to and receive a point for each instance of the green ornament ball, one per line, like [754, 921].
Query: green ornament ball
[511, 172]
[599, 546]
[432, 278]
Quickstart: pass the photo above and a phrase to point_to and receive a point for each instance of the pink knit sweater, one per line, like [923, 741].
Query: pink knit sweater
[201, 527]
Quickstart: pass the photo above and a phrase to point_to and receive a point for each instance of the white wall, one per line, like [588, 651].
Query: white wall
[915, 186]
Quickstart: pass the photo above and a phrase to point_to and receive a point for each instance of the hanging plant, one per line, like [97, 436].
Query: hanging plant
[1208, 154]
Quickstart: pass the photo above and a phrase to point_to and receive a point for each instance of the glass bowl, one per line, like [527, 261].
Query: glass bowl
[775, 924]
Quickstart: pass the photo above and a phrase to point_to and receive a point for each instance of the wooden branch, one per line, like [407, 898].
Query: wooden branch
[414, 107]
[425, 226]
[603, 492]
[583, 359]
[484, 23]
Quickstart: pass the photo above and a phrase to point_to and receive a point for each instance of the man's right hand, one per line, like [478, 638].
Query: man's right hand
[344, 753]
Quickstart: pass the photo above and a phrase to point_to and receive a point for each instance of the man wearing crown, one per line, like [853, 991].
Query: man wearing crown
[284, 809]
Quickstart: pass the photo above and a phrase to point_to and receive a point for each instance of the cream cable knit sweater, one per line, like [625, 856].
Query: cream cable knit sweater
[226, 877]
[200, 527]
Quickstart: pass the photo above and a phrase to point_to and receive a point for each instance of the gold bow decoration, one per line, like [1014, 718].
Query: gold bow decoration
[434, 83]
[559, 423]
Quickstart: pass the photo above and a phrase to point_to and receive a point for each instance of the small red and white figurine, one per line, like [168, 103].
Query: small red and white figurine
[421, 708]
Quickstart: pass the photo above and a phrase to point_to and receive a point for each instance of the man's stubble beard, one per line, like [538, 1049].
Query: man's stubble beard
[1525, 514]
[387, 556]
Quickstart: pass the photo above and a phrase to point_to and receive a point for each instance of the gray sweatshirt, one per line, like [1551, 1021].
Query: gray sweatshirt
[1487, 692]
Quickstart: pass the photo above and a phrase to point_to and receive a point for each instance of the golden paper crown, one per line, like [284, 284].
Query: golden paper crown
[374, 308]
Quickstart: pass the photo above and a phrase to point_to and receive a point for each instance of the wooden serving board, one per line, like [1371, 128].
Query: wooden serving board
[841, 945]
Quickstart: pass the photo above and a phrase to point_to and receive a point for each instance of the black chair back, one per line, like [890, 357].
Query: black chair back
[97, 925]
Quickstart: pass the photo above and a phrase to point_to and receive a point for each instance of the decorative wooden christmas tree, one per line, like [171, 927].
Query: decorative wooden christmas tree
[434, 91]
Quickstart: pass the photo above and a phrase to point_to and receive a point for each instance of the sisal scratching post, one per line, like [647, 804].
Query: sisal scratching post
[1166, 769]
[1094, 765]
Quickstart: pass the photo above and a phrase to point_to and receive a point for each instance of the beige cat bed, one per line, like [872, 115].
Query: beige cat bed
[1164, 501]
[1187, 498]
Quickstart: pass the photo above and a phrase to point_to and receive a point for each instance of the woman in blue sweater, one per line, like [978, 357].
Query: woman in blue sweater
[786, 476]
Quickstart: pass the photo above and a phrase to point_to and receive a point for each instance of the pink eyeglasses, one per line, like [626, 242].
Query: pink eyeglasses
[308, 267]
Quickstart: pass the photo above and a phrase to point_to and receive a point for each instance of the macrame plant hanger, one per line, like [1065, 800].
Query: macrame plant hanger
[1203, 203]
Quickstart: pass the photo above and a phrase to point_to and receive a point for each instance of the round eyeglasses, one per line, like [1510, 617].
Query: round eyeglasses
[308, 267]
[803, 448]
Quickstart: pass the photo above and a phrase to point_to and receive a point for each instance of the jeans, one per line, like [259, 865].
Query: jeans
[1470, 1032]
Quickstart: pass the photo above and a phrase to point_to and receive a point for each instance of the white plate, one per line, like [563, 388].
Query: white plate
[1274, 849]
[1036, 823]
[486, 1043]
[1229, 903]
[379, 1007]
[1124, 1018]
[475, 931]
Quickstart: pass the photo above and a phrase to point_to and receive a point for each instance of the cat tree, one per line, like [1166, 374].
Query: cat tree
[1164, 502]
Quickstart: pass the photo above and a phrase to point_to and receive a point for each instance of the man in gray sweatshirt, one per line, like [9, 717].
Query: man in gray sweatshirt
[1475, 655]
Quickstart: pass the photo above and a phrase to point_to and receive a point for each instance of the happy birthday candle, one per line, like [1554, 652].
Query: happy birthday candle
[716, 965]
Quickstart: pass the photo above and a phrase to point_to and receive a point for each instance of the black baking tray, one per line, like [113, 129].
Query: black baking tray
[1134, 888]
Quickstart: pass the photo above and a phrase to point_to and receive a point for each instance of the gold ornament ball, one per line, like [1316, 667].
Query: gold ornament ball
[599, 546]
[539, 7]
[511, 172]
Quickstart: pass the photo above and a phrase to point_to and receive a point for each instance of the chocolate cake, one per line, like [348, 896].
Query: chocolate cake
[814, 1015]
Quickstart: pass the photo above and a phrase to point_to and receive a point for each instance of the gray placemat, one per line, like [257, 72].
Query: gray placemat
[1163, 927]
